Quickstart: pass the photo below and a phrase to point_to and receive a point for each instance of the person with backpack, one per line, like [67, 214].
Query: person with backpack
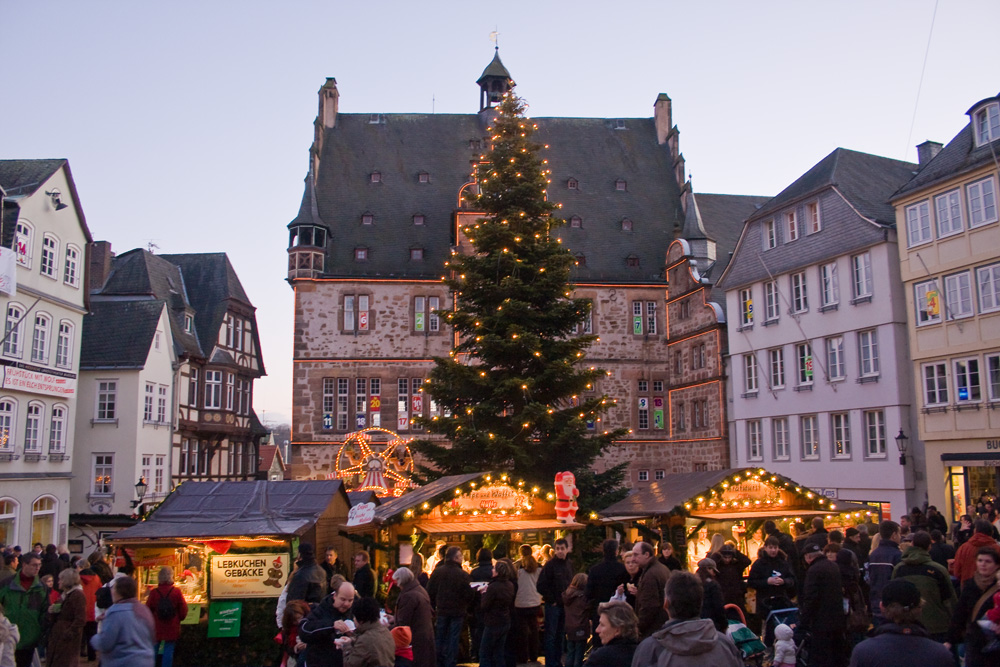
[169, 608]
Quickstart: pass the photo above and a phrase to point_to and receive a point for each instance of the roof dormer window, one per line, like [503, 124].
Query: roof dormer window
[416, 254]
[986, 122]
[376, 177]
[626, 224]
[632, 262]
[576, 222]
[620, 124]
[620, 185]
[423, 177]
[361, 254]
[418, 219]
[581, 260]
[368, 219]
[375, 119]
[572, 184]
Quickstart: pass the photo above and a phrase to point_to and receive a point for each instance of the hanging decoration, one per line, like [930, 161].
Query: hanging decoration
[375, 459]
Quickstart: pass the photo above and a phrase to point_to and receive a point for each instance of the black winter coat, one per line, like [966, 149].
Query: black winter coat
[730, 577]
[821, 606]
[603, 580]
[497, 602]
[554, 579]
[712, 606]
[364, 581]
[449, 589]
[318, 633]
[763, 569]
[309, 582]
[616, 653]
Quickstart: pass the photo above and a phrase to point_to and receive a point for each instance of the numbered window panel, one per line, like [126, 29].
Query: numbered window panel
[967, 387]
[746, 307]
[982, 199]
[935, 380]
[918, 224]
[988, 281]
[949, 213]
[356, 313]
[927, 301]
[803, 353]
[958, 295]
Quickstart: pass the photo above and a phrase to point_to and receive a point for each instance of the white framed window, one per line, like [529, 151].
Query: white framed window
[8, 520]
[23, 240]
[40, 338]
[57, 430]
[800, 296]
[230, 390]
[791, 227]
[958, 295]
[50, 252]
[777, 359]
[949, 213]
[988, 279]
[43, 520]
[810, 437]
[755, 447]
[147, 402]
[159, 474]
[862, 267]
[64, 344]
[643, 318]
[425, 318]
[812, 217]
[918, 223]
[746, 306]
[770, 235]
[33, 428]
[868, 352]
[146, 470]
[188, 323]
[982, 202]
[71, 266]
[840, 422]
[927, 301]
[935, 383]
[987, 124]
[835, 358]
[193, 393]
[831, 289]
[643, 475]
[803, 353]
[967, 389]
[750, 373]
[107, 400]
[659, 474]
[213, 390]
[772, 301]
[993, 376]
[343, 389]
[161, 404]
[8, 411]
[875, 434]
[12, 330]
[103, 475]
[779, 429]
[357, 316]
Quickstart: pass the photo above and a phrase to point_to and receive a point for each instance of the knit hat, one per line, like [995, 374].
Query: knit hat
[402, 636]
[851, 532]
[811, 548]
[901, 592]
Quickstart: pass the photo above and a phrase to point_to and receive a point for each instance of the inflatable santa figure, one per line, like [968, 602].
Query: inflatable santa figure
[566, 495]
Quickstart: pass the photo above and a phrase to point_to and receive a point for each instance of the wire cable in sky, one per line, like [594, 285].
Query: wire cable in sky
[920, 85]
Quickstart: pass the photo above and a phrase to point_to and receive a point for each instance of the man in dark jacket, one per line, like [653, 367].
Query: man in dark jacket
[553, 581]
[772, 577]
[321, 628]
[933, 583]
[881, 562]
[603, 580]
[935, 520]
[649, 595]
[364, 578]
[902, 641]
[731, 563]
[819, 534]
[332, 565]
[785, 541]
[309, 581]
[451, 596]
[821, 610]
[941, 552]
[482, 572]
[25, 599]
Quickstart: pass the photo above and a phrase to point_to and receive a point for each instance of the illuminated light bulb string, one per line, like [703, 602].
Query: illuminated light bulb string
[451, 509]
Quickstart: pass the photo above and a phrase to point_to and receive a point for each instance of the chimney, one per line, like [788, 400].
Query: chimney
[927, 151]
[329, 101]
[662, 117]
[100, 263]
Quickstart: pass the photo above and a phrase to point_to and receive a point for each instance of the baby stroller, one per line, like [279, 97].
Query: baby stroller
[782, 611]
[749, 645]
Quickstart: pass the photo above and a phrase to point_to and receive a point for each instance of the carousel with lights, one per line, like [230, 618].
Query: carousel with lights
[692, 508]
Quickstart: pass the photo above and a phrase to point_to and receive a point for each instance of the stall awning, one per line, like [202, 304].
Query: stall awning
[762, 514]
[233, 509]
[665, 496]
[462, 527]
[426, 493]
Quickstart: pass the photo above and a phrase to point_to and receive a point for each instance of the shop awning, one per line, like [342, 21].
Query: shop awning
[425, 494]
[665, 496]
[461, 527]
[234, 509]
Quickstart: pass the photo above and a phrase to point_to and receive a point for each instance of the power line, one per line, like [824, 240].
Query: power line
[920, 85]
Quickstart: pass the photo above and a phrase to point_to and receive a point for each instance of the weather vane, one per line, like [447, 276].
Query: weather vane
[495, 38]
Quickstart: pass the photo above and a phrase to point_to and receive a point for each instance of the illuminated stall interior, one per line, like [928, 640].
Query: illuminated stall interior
[693, 507]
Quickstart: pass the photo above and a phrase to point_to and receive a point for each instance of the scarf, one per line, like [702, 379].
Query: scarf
[983, 581]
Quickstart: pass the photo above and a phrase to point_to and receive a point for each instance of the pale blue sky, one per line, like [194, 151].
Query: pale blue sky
[188, 123]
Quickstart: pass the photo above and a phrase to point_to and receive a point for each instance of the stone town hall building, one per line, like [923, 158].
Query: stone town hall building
[384, 197]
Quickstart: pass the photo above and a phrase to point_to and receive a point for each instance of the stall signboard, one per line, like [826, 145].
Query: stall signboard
[248, 575]
[753, 493]
[193, 615]
[155, 558]
[492, 497]
[360, 514]
[224, 619]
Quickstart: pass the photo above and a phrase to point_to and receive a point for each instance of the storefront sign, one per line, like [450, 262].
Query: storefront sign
[224, 618]
[194, 615]
[751, 492]
[155, 557]
[361, 514]
[493, 497]
[248, 575]
[22, 377]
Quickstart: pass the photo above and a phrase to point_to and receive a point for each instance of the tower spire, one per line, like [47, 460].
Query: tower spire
[494, 82]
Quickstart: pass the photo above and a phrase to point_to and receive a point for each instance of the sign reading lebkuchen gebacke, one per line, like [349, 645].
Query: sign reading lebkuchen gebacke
[248, 575]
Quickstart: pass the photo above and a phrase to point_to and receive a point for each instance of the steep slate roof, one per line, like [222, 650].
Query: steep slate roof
[720, 218]
[401, 146]
[865, 180]
[495, 68]
[22, 178]
[118, 334]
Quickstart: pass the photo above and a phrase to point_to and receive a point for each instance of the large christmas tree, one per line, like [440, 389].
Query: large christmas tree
[516, 394]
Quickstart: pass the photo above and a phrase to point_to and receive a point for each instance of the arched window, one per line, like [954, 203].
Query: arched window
[12, 330]
[64, 344]
[23, 238]
[50, 253]
[71, 269]
[40, 339]
[33, 428]
[57, 430]
[8, 408]
[43, 520]
[8, 521]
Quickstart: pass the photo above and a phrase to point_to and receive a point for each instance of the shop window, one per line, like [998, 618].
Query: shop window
[43, 520]
[875, 434]
[967, 389]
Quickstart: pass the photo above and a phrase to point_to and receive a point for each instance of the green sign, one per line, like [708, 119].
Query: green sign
[194, 615]
[637, 324]
[224, 619]
[657, 418]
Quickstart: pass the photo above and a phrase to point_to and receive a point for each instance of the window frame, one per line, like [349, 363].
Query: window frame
[755, 441]
[869, 364]
[840, 430]
[804, 364]
[776, 365]
[71, 266]
[993, 377]
[48, 265]
[33, 419]
[875, 434]
[40, 334]
[106, 403]
[969, 379]
[836, 367]
[356, 313]
[13, 330]
[103, 486]
[829, 284]
[967, 309]
[972, 198]
[948, 213]
[813, 218]
[809, 426]
[213, 389]
[924, 316]
[770, 234]
[917, 232]
[772, 301]
[57, 429]
[24, 241]
[863, 281]
[751, 380]
[791, 226]
[780, 443]
[746, 307]
[992, 271]
[800, 292]
[64, 344]
[8, 421]
[935, 385]
[988, 131]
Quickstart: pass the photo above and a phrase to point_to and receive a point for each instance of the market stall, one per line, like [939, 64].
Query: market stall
[693, 507]
[471, 509]
[231, 546]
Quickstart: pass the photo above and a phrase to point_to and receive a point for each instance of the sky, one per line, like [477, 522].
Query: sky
[187, 123]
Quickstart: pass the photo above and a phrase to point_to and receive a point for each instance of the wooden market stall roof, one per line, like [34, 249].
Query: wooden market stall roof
[675, 494]
[460, 527]
[235, 509]
[432, 493]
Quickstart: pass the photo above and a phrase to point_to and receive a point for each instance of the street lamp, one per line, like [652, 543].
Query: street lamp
[140, 491]
[902, 443]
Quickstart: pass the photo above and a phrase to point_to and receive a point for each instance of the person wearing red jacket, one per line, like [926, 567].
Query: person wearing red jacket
[964, 565]
[162, 600]
[91, 582]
